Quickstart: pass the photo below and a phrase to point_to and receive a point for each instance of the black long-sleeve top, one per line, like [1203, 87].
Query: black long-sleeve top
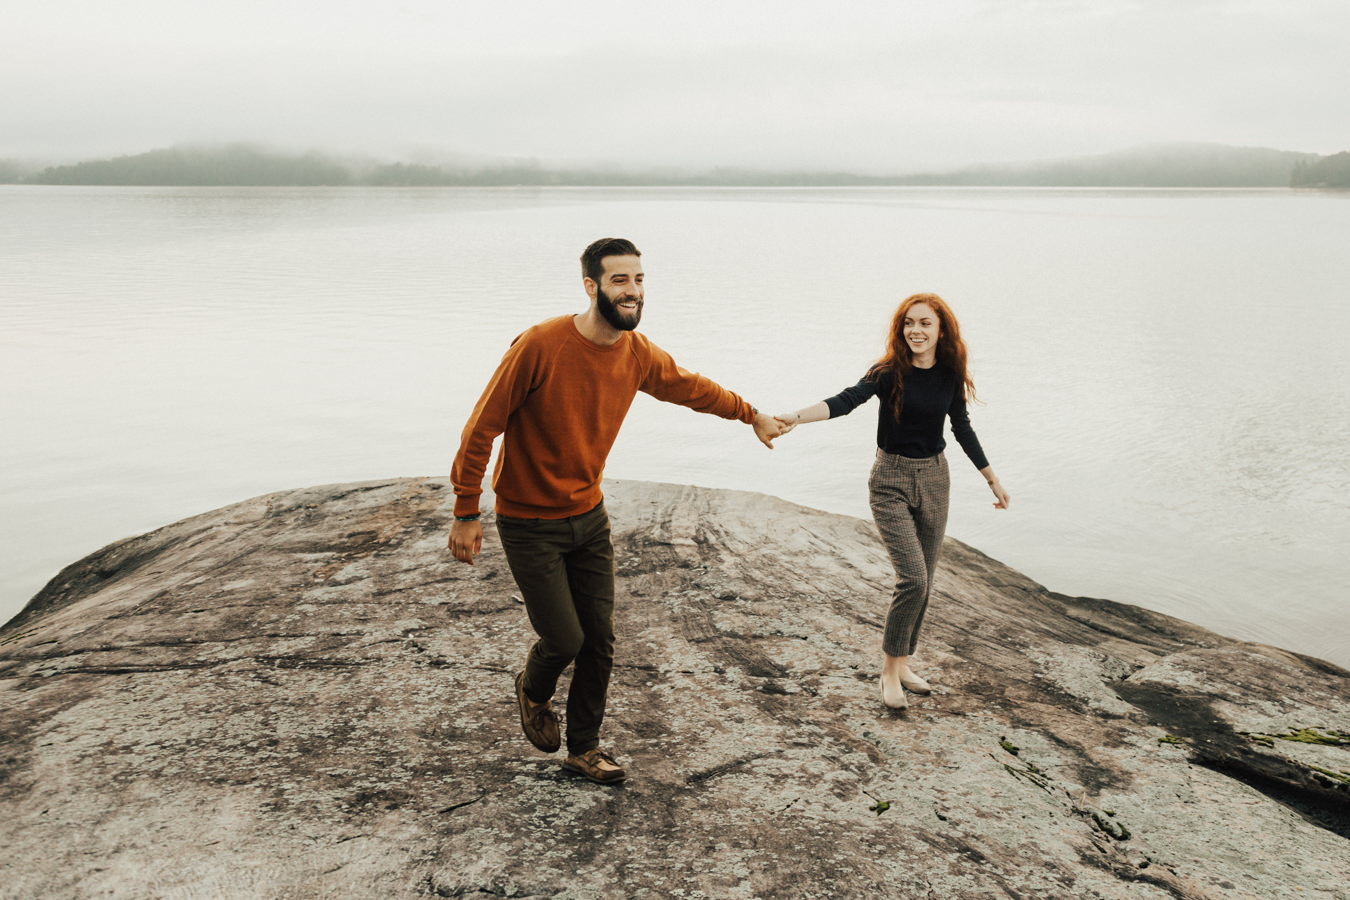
[931, 396]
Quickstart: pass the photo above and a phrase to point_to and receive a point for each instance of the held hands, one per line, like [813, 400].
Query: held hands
[768, 427]
[466, 540]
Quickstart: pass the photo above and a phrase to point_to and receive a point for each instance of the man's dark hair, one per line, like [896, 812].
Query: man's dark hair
[592, 258]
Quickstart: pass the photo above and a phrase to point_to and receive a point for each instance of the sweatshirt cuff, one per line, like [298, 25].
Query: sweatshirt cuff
[466, 504]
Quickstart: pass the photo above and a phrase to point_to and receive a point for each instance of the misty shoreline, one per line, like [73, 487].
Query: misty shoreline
[242, 165]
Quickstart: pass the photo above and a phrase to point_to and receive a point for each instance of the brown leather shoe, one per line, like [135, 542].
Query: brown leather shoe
[537, 720]
[595, 764]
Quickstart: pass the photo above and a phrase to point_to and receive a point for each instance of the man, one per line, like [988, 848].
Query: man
[559, 396]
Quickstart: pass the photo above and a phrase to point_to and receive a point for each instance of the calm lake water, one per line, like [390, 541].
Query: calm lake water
[1165, 372]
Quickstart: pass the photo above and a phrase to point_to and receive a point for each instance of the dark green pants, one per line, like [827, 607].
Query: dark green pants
[565, 571]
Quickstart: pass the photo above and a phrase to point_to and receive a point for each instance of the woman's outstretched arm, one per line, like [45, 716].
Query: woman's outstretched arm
[816, 412]
[841, 404]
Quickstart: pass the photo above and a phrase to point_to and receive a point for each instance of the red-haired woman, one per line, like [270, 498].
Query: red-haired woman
[921, 382]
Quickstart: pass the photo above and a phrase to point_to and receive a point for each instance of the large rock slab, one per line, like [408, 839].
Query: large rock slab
[303, 695]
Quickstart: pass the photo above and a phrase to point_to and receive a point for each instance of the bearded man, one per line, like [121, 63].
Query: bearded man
[558, 399]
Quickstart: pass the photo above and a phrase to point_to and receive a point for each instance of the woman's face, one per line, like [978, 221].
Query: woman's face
[921, 329]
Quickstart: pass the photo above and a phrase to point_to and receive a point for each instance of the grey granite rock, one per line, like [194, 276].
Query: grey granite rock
[303, 695]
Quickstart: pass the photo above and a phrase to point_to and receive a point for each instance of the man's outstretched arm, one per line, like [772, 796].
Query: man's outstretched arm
[674, 384]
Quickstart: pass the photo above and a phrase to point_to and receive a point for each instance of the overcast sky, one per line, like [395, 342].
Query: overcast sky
[864, 85]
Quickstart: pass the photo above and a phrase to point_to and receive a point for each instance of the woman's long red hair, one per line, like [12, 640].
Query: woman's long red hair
[951, 350]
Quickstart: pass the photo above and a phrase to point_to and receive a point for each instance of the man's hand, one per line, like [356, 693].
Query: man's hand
[768, 427]
[466, 540]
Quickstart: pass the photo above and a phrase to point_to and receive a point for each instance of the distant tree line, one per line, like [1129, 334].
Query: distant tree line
[532, 174]
[1178, 165]
[232, 165]
[1328, 172]
[246, 165]
[1189, 165]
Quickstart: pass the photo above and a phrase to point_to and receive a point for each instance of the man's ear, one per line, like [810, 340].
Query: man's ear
[590, 285]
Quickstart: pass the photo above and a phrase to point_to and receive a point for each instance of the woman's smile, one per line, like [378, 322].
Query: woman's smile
[921, 329]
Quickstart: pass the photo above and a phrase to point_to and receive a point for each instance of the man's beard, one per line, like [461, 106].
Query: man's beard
[611, 313]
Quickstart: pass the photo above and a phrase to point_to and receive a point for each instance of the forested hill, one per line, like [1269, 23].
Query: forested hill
[1327, 171]
[1176, 165]
[230, 165]
[1170, 165]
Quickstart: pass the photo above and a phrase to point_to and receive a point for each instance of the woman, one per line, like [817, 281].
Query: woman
[921, 382]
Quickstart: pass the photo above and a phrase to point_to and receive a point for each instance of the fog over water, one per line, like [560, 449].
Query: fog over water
[873, 86]
[1164, 371]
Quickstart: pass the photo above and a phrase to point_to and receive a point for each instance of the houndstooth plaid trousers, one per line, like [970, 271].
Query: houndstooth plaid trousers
[909, 500]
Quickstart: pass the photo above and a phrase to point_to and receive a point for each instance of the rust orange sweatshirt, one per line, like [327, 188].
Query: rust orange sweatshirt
[559, 399]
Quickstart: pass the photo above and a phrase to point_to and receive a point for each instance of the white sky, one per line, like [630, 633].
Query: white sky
[864, 85]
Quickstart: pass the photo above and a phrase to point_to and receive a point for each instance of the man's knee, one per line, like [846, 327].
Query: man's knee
[561, 648]
[599, 646]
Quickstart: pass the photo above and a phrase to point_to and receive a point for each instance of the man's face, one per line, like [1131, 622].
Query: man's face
[618, 295]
